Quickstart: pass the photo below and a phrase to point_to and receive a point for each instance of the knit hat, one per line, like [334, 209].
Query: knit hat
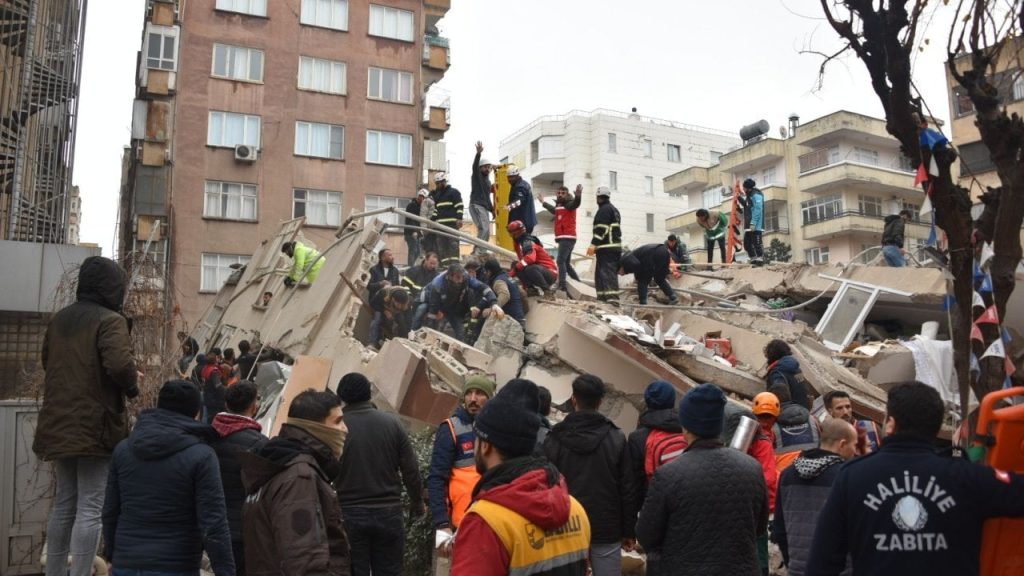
[481, 383]
[660, 395]
[701, 411]
[522, 392]
[507, 425]
[180, 396]
[749, 184]
[354, 387]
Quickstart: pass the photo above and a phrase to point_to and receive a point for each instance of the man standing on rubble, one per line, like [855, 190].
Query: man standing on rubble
[646, 263]
[839, 405]
[753, 217]
[590, 451]
[892, 239]
[520, 200]
[480, 207]
[564, 209]
[658, 431]
[447, 211]
[704, 510]
[414, 229]
[453, 473]
[377, 448]
[803, 489]
[906, 509]
[302, 256]
[87, 356]
[606, 243]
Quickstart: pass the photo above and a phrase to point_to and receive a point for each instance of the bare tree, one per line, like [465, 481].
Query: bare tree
[884, 34]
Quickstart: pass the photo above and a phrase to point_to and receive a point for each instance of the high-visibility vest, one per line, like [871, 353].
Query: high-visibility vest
[533, 550]
[464, 475]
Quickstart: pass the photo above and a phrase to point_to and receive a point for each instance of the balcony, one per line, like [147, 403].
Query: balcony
[683, 222]
[433, 11]
[819, 174]
[436, 58]
[437, 119]
[690, 180]
[855, 221]
[767, 151]
[844, 125]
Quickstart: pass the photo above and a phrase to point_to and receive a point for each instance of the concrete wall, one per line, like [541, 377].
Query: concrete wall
[33, 271]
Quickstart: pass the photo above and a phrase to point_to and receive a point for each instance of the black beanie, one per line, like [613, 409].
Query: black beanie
[523, 393]
[353, 388]
[511, 428]
[702, 411]
[180, 396]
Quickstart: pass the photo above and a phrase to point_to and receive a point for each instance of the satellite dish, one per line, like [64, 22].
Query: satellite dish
[783, 132]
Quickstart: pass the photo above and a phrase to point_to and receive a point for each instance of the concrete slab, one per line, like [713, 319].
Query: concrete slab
[308, 372]
[503, 340]
[729, 379]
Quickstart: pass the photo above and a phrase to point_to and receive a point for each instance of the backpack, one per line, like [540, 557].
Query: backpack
[662, 447]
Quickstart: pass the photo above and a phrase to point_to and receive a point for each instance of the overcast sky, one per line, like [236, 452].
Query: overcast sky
[720, 64]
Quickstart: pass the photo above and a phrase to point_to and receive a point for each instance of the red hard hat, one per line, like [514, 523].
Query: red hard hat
[516, 226]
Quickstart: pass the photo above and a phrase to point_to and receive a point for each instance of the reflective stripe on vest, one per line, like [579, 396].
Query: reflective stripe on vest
[464, 475]
[531, 549]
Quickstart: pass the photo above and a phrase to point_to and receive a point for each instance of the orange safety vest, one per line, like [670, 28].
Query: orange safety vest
[464, 475]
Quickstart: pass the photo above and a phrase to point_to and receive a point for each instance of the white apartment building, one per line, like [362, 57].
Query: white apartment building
[629, 153]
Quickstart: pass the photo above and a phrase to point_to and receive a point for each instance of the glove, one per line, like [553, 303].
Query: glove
[591, 250]
[288, 282]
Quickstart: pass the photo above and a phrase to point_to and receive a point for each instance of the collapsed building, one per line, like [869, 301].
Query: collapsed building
[323, 326]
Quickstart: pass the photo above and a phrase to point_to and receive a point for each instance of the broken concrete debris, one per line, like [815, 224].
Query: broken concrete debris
[324, 324]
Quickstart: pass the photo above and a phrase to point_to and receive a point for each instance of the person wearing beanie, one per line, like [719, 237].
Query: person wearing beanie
[292, 521]
[377, 449]
[164, 503]
[704, 510]
[658, 434]
[753, 219]
[590, 450]
[452, 468]
[523, 519]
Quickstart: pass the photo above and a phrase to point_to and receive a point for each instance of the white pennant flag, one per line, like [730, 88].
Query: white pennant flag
[996, 349]
[986, 253]
[926, 206]
[978, 302]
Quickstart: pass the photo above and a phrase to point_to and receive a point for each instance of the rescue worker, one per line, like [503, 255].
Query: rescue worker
[447, 211]
[564, 209]
[507, 292]
[453, 473]
[766, 410]
[534, 267]
[451, 296]
[646, 263]
[715, 225]
[520, 200]
[302, 257]
[753, 219]
[389, 314]
[480, 207]
[606, 243]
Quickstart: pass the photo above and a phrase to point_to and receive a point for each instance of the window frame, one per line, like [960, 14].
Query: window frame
[613, 179]
[864, 200]
[399, 74]
[224, 132]
[648, 148]
[389, 217]
[310, 140]
[820, 206]
[380, 148]
[219, 6]
[650, 223]
[306, 201]
[315, 8]
[397, 12]
[669, 148]
[649, 186]
[332, 64]
[163, 32]
[238, 259]
[613, 143]
[228, 60]
[223, 196]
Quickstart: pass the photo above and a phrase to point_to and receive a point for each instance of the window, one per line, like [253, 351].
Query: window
[915, 210]
[319, 140]
[869, 205]
[217, 269]
[320, 207]
[1018, 86]
[648, 149]
[649, 185]
[816, 255]
[613, 180]
[768, 176]
[391, 23]
[230, 201]
[237, 63]
[230, 129]
[712, 197]
[865, 156]
[819, 209]
[612, 144]
[775, 217]
[377, 202]
[962, 105]
[322, 75]
[674, 153]
[650, 222]
[388, 148]
[390, 85]
[161, 47]
[975, 158]
[325, 13]
[550, 147]
[714, 156]
[252, 7]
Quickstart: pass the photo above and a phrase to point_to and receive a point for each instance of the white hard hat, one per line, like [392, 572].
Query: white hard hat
[486, 162]
[423, 192]
[440, 177]
[604, 191]
[513, 170]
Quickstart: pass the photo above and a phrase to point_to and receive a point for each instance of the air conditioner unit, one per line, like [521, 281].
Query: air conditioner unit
[246, 153]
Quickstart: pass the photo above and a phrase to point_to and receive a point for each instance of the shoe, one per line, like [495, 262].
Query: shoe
[673, 302]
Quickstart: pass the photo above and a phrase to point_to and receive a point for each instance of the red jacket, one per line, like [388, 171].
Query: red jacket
[529, 251]
[565, 217]
[763, 450]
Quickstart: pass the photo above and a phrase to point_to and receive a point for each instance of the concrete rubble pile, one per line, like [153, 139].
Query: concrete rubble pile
[628, 346]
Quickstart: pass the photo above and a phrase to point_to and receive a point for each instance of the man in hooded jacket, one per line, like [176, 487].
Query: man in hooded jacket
[87, 356]
[590, 451]
[292, 519]
[164, 503]
[660, 401]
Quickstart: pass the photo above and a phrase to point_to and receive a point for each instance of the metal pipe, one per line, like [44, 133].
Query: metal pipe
[434, 226]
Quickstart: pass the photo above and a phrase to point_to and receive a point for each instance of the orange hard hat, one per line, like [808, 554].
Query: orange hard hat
[766, 403]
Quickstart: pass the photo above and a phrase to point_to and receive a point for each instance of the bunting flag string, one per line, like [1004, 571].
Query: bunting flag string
[922, 175]
[1009, 366]
[986, 253]
[932, 235]
[978, 274]
[996, 350]
[926, 206]
[976, 333]
[978, 301]
[986, 285]
[1006, 335]
[975, 367]
[990, 316]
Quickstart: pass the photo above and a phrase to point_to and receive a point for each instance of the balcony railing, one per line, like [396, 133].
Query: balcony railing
[822, 157]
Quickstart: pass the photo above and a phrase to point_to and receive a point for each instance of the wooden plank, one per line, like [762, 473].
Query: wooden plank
[308, 372]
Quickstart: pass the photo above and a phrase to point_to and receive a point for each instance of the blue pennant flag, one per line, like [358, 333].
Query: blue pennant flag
[1007, 383]
[986, 285]
[1006, 336]
[978, 274]
[948, 303]
[974, 364]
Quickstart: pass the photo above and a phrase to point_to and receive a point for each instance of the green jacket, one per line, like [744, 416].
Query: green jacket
[719, 230]
[301, 257]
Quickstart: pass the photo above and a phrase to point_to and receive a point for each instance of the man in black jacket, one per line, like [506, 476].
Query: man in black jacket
[414, 233]
[480, 206]
[803, 489]
[238, 433]
[892, 239]
[165, 502]
[646, 263]
[376, 449]
[447, 211]
[906, 509]
[704, 510]
[590, 451]
[606, 244]
[660, 401]
[383, 273]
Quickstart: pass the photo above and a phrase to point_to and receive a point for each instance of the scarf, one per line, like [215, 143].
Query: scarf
[332, 437]
[227, 424]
